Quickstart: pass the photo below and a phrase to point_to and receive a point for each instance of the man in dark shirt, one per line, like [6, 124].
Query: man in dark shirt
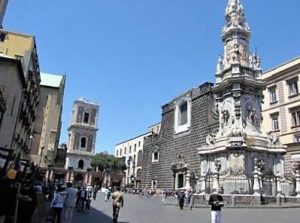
[181, 199]
[216, 202]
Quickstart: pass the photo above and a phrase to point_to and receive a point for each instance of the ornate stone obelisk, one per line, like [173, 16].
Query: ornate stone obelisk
[238, 97]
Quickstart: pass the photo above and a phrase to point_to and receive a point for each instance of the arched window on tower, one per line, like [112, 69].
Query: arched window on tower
[83, 142]
[80, 164]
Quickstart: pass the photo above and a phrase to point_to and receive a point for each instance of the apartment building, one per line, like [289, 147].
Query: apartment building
[47, 129]
[132, 151]
[22, 96]
[281, 108]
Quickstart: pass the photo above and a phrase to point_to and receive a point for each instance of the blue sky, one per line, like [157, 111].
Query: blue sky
[133, 56]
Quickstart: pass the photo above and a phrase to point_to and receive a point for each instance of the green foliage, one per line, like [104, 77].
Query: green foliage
[129, 185]
[106, 161]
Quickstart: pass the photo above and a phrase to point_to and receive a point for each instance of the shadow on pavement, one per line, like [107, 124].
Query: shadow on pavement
[92, 216]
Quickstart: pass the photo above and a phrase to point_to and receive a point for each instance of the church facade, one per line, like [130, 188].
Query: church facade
[211, 136]
[171, 156]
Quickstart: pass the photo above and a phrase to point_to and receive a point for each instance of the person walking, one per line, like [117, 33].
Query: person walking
[95, 191]
[216, 202]
[70, 203]
[181, 199]
[81, 198]
[118, 202]
[191, 199]
[57, 203]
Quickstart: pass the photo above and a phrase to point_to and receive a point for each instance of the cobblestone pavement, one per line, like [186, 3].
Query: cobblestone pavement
[139, 209]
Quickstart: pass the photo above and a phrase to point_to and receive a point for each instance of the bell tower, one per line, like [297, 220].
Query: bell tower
[82, 134]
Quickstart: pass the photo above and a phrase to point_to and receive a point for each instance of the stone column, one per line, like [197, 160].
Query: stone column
[47, 177]
[90, 179]
[256, 186]
[279, 188]
[216, 183]
[85, 178]
[67, 176]
[51, 175]
[188, 179]
[216, 180]
[72, 176]
[297, 176]
[202, 189]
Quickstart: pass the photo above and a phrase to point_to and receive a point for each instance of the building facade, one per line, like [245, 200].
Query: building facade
[47, 128]
[82, 135]
[281, 109]
[132, 151]
[22, 48]
[12, 84]
[171, 156]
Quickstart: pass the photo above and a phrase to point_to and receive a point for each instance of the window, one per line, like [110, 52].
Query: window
[83, 143]
[273, 95]
[2, 36]
[155, 156]
[293, 86]
[120, 152]
[117, 152]
[134, 147]
[86, 117]
[125, 150]
[129, 149]
[297, 138]
[139, 143]
[275, 122]
[80, 164]
[295, 117]
[182, 114]
[140, 158]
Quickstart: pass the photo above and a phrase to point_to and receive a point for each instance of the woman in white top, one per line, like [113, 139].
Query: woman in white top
[57, 203]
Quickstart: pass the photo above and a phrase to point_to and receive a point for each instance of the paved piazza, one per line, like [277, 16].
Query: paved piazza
[139, 209]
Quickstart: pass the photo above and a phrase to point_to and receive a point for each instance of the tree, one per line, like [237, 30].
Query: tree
[106, 161]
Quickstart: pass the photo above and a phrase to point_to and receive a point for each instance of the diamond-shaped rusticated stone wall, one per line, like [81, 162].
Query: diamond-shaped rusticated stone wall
[171, 145]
